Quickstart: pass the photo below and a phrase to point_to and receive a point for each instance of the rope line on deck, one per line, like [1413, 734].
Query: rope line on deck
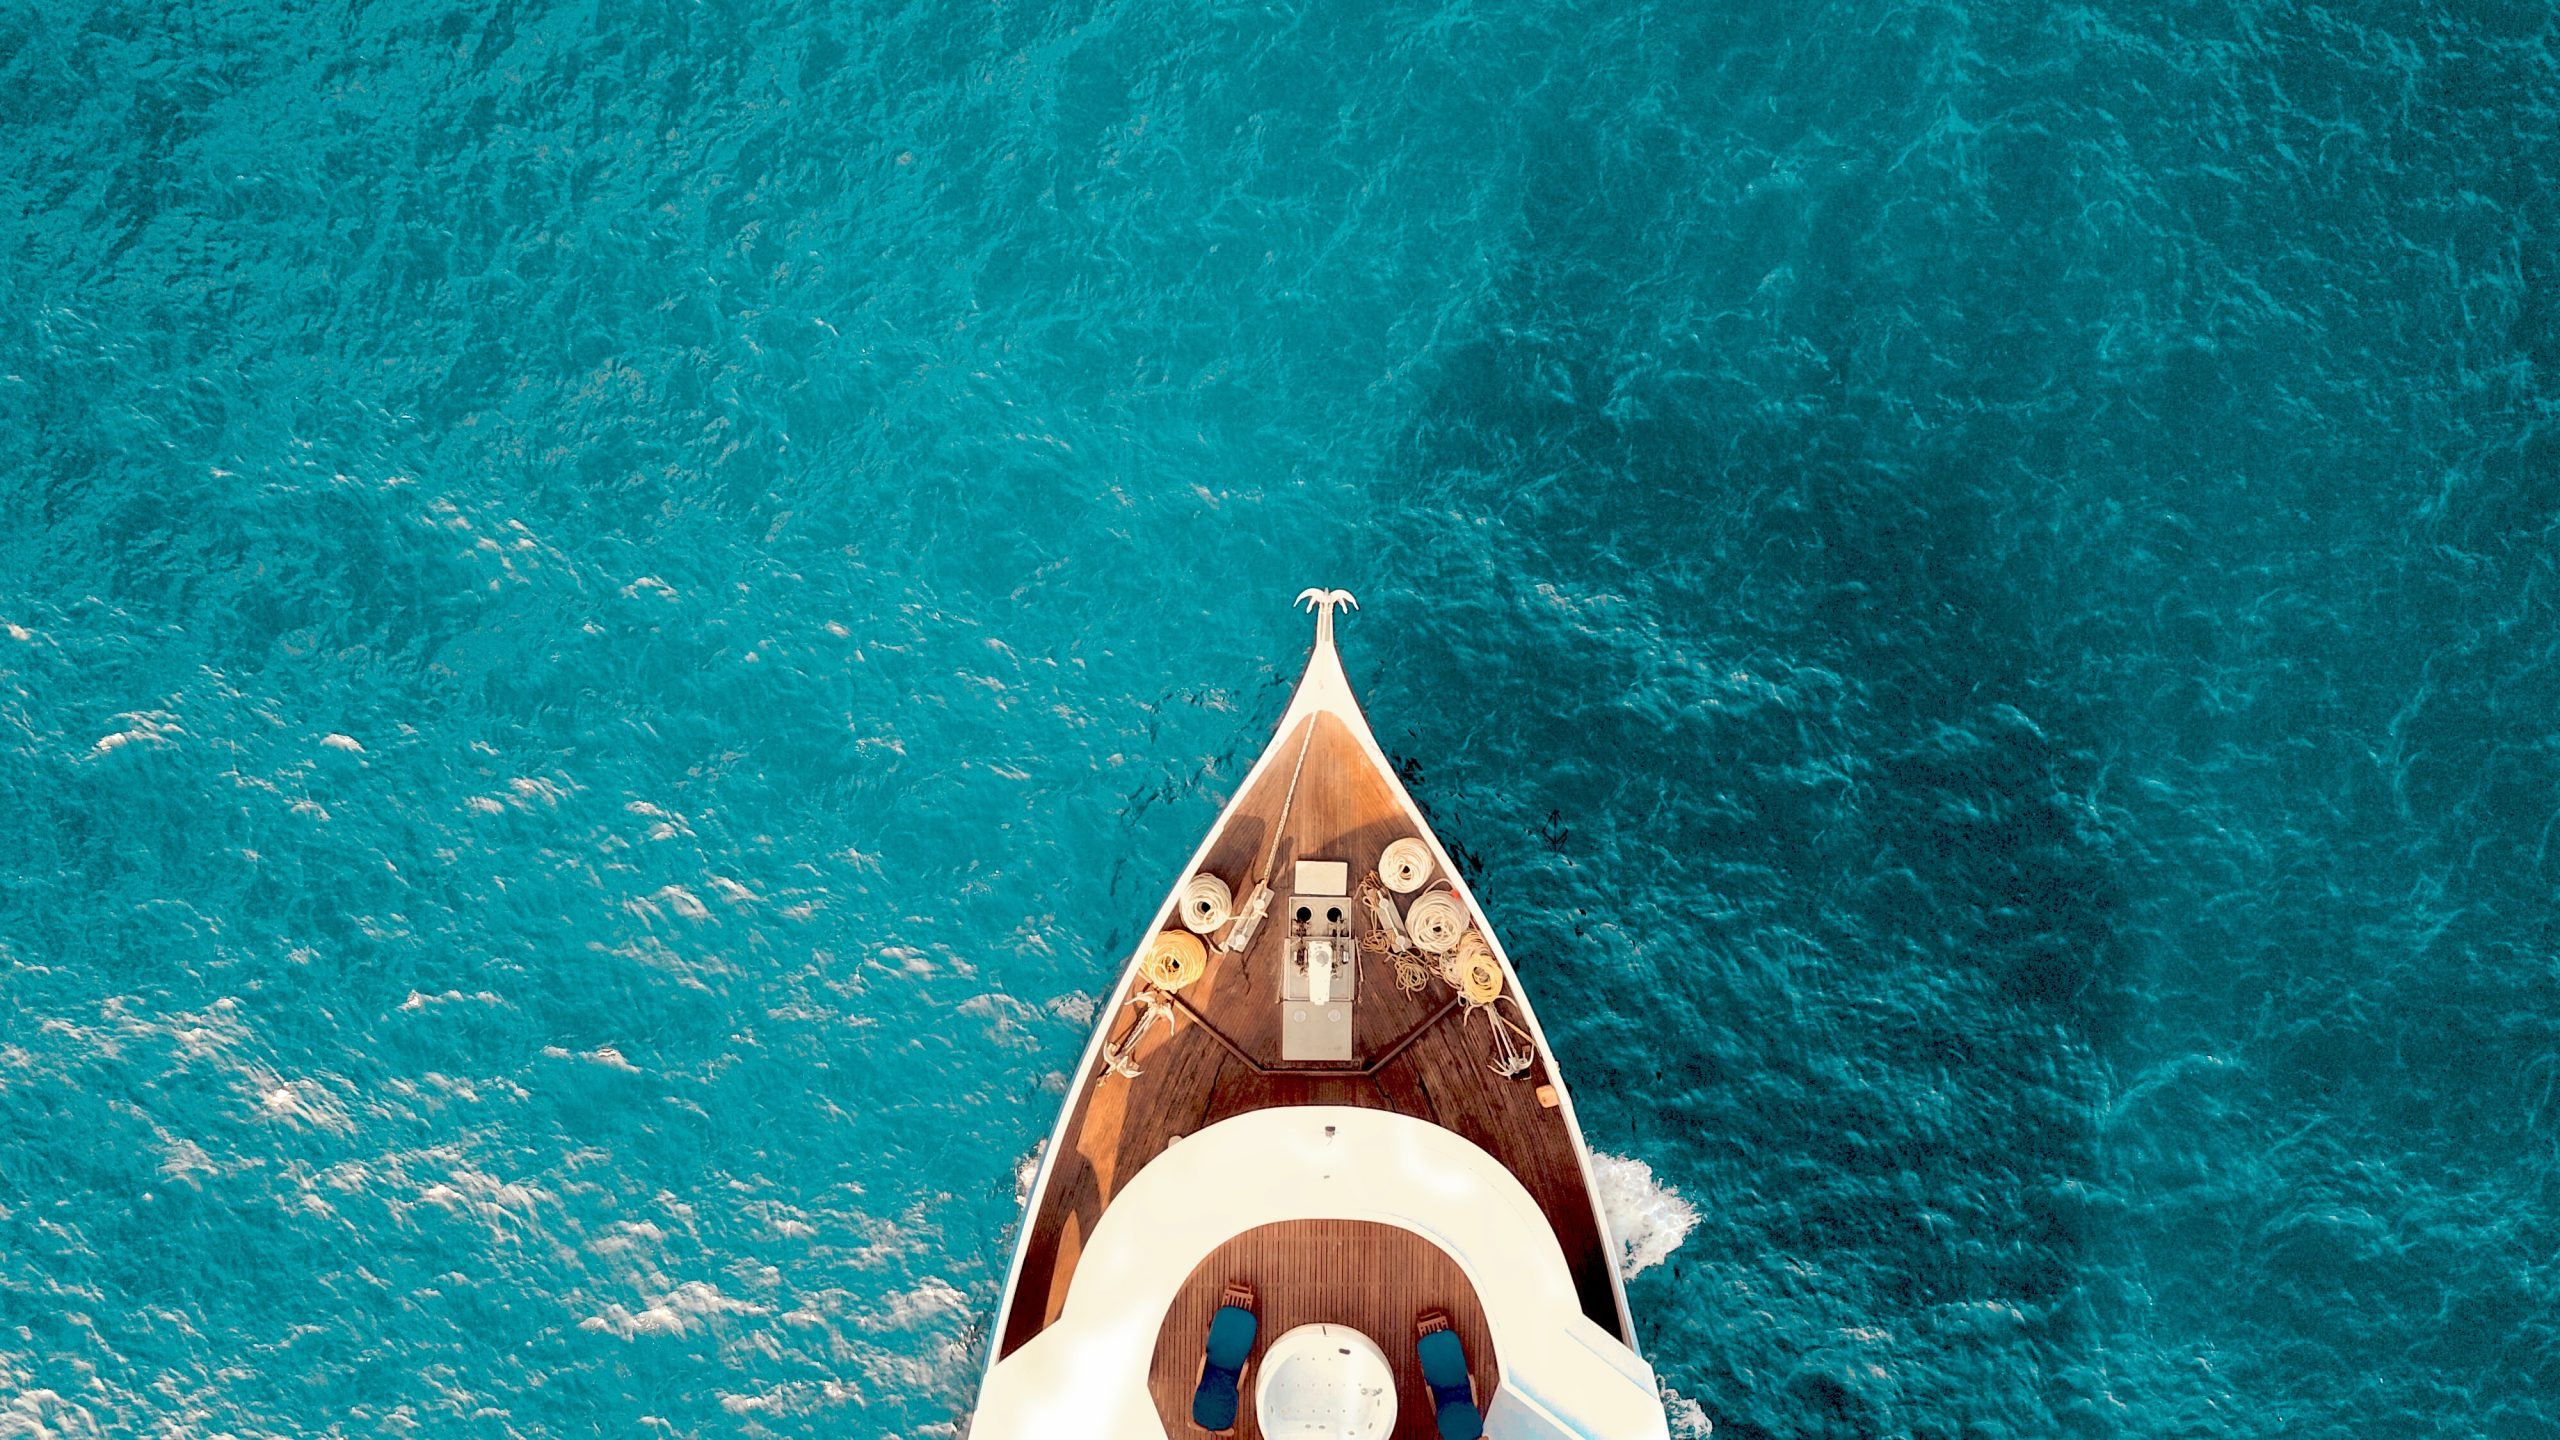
[1280, 826]
[1248, 920]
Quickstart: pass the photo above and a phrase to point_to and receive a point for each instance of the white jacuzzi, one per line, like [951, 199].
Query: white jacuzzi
[1325, 1382]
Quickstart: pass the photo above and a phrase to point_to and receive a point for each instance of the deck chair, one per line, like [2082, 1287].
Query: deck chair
[1444, 1369]
[1225, 1356]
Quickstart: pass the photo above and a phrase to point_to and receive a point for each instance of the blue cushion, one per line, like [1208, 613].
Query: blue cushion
[1460, 1420]
[1231, 1333]
[1444, 1369]
[1444, 1359]
[1213, 1405]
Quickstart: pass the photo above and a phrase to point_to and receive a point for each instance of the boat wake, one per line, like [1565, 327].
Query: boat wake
[1026, 1170]
[1688, 1418]
[1648, 1217]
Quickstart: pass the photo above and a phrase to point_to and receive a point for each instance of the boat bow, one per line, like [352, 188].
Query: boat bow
[1334, 1094]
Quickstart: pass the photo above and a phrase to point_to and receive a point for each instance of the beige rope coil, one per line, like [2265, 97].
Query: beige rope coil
[1436, 921]
[1207, 903]
[1405, 866]
[1173, 959]
[1473, 970]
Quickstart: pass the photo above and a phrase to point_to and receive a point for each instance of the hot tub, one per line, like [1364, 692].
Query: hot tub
[1325, 1382]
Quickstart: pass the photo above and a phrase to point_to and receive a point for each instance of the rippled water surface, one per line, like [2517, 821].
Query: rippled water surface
[614, 612]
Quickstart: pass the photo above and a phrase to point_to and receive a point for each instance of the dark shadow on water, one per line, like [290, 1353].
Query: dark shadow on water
[1787, 802]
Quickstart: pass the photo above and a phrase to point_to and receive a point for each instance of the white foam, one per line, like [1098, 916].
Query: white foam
[46, 1415]
[629, 1237]
[1009, 1020]
[511, 1211]
[182, 1158]
[1025, 1171]
[527, 787]
[796, 1397]
[1688, 1418]
[689, 1308]
[604, 1055]
[154, 727]
[932, 1303]
[1648, 1217]
[304, 1104]
[685, 902]
[420, 1000]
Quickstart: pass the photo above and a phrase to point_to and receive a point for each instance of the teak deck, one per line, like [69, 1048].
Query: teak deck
[1373, 1278]
[1417, 1054]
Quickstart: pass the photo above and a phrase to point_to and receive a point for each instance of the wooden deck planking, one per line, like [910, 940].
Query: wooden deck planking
[1344, 810]
[1505, 1119]
[1373, 1278]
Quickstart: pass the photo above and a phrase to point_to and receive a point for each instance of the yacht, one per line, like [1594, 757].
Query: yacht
[1317, 1174]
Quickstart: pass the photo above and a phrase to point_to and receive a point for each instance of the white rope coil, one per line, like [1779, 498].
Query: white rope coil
[1436, 921]
[1405, 866]
[1207, 903]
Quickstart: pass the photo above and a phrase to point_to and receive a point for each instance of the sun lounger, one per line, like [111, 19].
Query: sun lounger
[1227, 1353]
[1444, 1369]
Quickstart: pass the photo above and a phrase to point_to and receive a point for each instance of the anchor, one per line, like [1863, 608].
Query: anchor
[1324, 602]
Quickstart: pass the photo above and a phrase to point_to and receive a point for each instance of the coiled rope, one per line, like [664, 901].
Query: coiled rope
[1207, 903]
[1436, 921]
[1405, 865]
[1173, 959]
[1386, 936]
[1471, 970]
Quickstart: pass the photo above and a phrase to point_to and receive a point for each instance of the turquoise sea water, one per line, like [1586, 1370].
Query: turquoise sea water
[614, 612]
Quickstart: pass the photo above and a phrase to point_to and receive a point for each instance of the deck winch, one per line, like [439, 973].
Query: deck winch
[1319, 965]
